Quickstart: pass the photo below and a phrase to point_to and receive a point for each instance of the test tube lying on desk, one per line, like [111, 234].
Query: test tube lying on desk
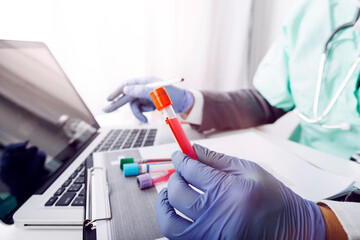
[132, 160]
[146, 180]
[164, 105]
[134, 169]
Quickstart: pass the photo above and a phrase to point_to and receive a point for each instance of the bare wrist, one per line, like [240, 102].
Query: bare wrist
[333, 228]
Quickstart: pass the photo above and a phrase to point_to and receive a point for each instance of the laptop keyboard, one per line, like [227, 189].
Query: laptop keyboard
[72, 192]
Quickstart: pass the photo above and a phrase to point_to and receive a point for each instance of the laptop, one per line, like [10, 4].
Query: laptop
[44, 117]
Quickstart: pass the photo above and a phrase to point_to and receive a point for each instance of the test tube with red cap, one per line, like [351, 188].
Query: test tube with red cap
[164, 105]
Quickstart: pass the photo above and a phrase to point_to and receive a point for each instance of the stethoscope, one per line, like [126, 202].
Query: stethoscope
[318, 118]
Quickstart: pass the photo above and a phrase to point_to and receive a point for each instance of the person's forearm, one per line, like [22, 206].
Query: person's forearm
[236, 110]
[334, 230]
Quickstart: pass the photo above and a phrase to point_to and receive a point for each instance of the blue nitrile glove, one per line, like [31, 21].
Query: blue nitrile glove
[240, 201]
[138, 94]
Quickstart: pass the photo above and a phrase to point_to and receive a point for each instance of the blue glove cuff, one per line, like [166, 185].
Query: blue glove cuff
[316, 219]
[188, 101]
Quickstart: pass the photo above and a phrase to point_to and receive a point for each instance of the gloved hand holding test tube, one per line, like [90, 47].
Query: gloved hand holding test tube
[164, 105]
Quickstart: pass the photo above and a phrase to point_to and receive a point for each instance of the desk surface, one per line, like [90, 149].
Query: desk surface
[322, 160]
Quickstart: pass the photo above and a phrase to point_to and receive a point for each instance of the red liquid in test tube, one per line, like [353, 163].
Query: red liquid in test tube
[181, 138]
[163, 104]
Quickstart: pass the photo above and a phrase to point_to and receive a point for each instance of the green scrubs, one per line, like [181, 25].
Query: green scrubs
[287, 75]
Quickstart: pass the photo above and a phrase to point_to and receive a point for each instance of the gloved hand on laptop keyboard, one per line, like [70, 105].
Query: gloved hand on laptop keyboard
[137, 94]
[240, 201]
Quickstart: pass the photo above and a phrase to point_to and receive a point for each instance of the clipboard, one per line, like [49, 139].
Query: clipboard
[90, 220]
[115, 207]
[92, 212]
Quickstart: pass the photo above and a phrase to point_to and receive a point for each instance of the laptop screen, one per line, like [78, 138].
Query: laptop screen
[43, 121]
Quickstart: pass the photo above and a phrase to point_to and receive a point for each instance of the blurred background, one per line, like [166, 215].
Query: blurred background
[214, 45]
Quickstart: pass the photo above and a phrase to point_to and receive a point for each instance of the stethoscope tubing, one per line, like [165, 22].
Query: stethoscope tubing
[317, 118]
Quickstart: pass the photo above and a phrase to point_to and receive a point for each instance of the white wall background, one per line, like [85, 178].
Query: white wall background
[215, 45]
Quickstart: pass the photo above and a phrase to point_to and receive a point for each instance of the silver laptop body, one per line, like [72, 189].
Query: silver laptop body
[40, 108]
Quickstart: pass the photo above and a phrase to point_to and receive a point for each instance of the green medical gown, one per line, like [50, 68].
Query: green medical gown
[287, 75]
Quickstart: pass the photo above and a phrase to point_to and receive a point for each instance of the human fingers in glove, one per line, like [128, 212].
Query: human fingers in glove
[136, 92]
[240, 201]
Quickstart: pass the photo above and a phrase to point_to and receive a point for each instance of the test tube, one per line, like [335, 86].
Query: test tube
[164, 105]
[134, 169]
[132, 160]
[146, 180]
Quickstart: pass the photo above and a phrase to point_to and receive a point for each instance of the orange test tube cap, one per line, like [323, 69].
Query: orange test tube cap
[160, 98]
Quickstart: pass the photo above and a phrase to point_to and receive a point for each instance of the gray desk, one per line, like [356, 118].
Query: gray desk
[320, 159]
